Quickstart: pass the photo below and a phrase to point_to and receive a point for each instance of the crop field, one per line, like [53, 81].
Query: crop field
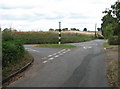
[51, 37]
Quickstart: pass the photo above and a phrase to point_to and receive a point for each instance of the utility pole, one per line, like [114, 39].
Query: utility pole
[59, 33]
[95, 30]
[0, 28]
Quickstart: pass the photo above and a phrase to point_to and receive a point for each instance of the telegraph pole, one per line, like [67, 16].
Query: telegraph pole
[0, 28]
[95, 30]
[59, 33]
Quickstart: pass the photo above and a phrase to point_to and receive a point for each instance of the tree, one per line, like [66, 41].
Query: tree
[65, 29]
[73, 29]
[51, 29]
[99, 29]
[85, 29]
[112, 17]
[56, 29]
[108, 31]
[6, 29]
[116, 10]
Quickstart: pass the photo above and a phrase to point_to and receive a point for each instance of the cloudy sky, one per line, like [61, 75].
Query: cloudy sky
[27, 15]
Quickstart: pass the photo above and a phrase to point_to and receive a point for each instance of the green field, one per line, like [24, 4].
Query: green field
[50, 37]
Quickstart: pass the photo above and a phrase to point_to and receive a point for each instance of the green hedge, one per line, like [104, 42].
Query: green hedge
[114, 40]
[12, 50]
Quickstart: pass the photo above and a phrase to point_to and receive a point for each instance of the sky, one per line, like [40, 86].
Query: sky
[41, 15]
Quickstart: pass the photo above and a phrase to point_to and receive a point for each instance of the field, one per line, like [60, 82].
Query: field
[52, 37]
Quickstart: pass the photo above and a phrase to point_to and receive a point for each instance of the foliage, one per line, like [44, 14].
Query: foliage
[99, 29]
[114, 40]
[51, 29]
[85, 29]
[99, 36]
[108, 31]
[116, 10]
[65, 29]
[111, 22]
[11, 48]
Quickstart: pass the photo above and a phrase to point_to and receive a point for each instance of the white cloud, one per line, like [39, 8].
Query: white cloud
[45, 14]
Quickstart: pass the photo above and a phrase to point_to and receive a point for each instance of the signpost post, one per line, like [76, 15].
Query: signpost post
[95, 30]
[59, 33]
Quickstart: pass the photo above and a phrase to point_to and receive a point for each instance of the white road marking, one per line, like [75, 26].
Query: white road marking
[90, 47]
[57, 56]
[51, 58]
[29, 49]
[61, 54]
[68, 50]
[64, 52]
[45, 61]
[84, 47]
[34, 50]
[61, 50]
[49, 55]
[54, 54]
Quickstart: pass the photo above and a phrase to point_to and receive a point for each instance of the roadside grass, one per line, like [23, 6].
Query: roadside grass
[55, 46]
[110, 48]
[112, 64]
[16, 65]
[112, 73]
[107, 45]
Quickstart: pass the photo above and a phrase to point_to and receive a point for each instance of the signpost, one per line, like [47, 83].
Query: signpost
[59, 33]
[95, 30]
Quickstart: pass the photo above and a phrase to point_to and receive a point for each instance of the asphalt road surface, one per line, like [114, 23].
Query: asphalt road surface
[83, 66]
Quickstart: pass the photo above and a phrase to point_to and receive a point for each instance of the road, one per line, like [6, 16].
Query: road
[83, 66]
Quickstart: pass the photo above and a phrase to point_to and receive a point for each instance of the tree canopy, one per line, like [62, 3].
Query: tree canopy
[111, 21]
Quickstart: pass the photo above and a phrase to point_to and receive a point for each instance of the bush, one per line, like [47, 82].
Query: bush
[12, 51]
[7, 36]
[99, 36]
[108, 32]
[114, 40]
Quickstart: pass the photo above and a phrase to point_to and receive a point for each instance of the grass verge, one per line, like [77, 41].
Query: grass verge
[107, 45]
[16, 65]
[56, 46]
[112, 64]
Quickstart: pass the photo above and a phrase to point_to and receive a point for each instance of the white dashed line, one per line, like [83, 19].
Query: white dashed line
[51, 58]
[45, 61]
[57, 56]
[61, 54]
[29, 49]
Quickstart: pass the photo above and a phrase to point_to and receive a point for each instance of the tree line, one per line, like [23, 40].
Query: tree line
[71, 29]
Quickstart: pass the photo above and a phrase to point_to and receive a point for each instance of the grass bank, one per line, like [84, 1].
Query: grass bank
[16, 65]
[56, 46]
[112, 64]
